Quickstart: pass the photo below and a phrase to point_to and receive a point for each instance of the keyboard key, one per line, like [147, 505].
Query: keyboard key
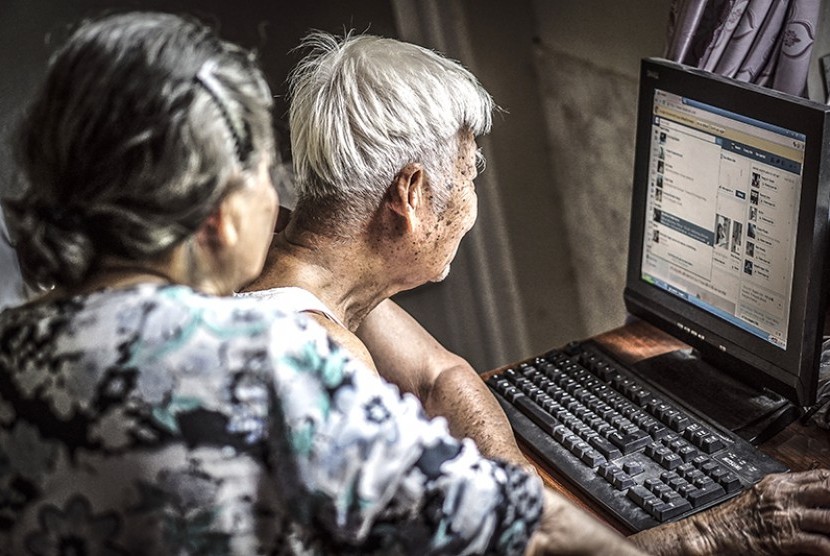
[641, 396]
[560, 433]
[685, 469]
[659, 408]
[703, 481]
[622, 481]
[580, 449]
[639, 495]
[581, 394]
[571, 441]
[640, 418]
[670, 461]
[680, 421]
[604, 429]
[593, 420]
[730, 483]
[584, 431]
[697, 477]
[630, 442]
[672, 510]
[718, 473]
[668, 476]
[607, 470]
[708, 493]
[670, 496]
[655, 506]
[657, 430]
[677, 483]
[690, 430]
[686, 490]
[633, 467]
[560, 412]
[618, 421]
[605, 447]
[652, 482]
[605, 371]
[526, 368]
[512, 394]
[698, 436]
[688, 453]
[602, 469]
[589, 434]
[700, 460]
[711, 444]
[592, 458]
[543, 420]
[498, 382]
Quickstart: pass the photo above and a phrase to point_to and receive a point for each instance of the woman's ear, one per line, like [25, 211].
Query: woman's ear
[406, 194]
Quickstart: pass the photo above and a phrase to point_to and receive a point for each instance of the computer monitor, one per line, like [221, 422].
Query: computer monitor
[729, 224]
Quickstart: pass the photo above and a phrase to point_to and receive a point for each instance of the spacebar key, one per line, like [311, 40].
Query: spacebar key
[542, 418]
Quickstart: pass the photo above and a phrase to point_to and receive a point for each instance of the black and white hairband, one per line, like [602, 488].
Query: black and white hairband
[206, 79]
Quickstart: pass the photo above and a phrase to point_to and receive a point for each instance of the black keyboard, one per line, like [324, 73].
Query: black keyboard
[628, 447]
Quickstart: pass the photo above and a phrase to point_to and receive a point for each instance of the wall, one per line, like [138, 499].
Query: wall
[505, 39]
[587, 60]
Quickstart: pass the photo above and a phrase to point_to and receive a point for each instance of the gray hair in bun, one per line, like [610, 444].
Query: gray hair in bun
[142, 125]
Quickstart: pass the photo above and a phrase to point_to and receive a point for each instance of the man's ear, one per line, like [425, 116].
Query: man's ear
[407, 194]
[219, 229]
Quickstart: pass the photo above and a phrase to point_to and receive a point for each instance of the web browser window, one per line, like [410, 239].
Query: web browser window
[722, 213]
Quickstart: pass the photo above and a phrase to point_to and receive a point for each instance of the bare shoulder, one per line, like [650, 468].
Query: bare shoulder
[389, 332]
[345, 338]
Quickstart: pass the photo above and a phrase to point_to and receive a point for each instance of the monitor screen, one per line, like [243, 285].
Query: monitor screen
[723, 194]
[729, 222]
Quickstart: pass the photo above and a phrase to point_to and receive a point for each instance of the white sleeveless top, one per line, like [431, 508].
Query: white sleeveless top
[296, 300]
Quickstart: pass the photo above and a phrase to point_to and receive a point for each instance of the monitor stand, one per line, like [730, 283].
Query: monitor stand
[753, 414]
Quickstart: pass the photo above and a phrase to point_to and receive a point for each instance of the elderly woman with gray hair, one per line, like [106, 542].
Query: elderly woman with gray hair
[384, 146]
[143, 409]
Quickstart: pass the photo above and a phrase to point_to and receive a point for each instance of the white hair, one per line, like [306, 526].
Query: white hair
[362, 107]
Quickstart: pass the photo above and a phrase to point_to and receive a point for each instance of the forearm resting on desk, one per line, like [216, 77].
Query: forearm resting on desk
[472, 412]
[565, 529]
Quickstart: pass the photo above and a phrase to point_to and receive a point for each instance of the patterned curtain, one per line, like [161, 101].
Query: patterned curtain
[766, 42]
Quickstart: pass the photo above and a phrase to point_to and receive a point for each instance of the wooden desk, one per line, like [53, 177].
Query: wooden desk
[799, 446]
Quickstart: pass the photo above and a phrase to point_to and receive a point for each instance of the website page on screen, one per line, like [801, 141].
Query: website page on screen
[722, 212]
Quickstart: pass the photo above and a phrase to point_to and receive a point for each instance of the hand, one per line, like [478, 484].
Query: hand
[565, 529]
[783, 514]
[787, 513]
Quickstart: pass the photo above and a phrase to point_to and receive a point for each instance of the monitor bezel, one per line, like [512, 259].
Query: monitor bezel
[791, 372]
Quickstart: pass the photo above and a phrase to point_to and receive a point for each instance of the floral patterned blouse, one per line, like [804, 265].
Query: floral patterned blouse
[157, 420]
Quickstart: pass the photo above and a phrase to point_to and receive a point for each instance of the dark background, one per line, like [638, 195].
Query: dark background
[30, 30]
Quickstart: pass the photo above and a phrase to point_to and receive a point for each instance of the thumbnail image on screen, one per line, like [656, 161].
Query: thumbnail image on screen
[722, 210]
